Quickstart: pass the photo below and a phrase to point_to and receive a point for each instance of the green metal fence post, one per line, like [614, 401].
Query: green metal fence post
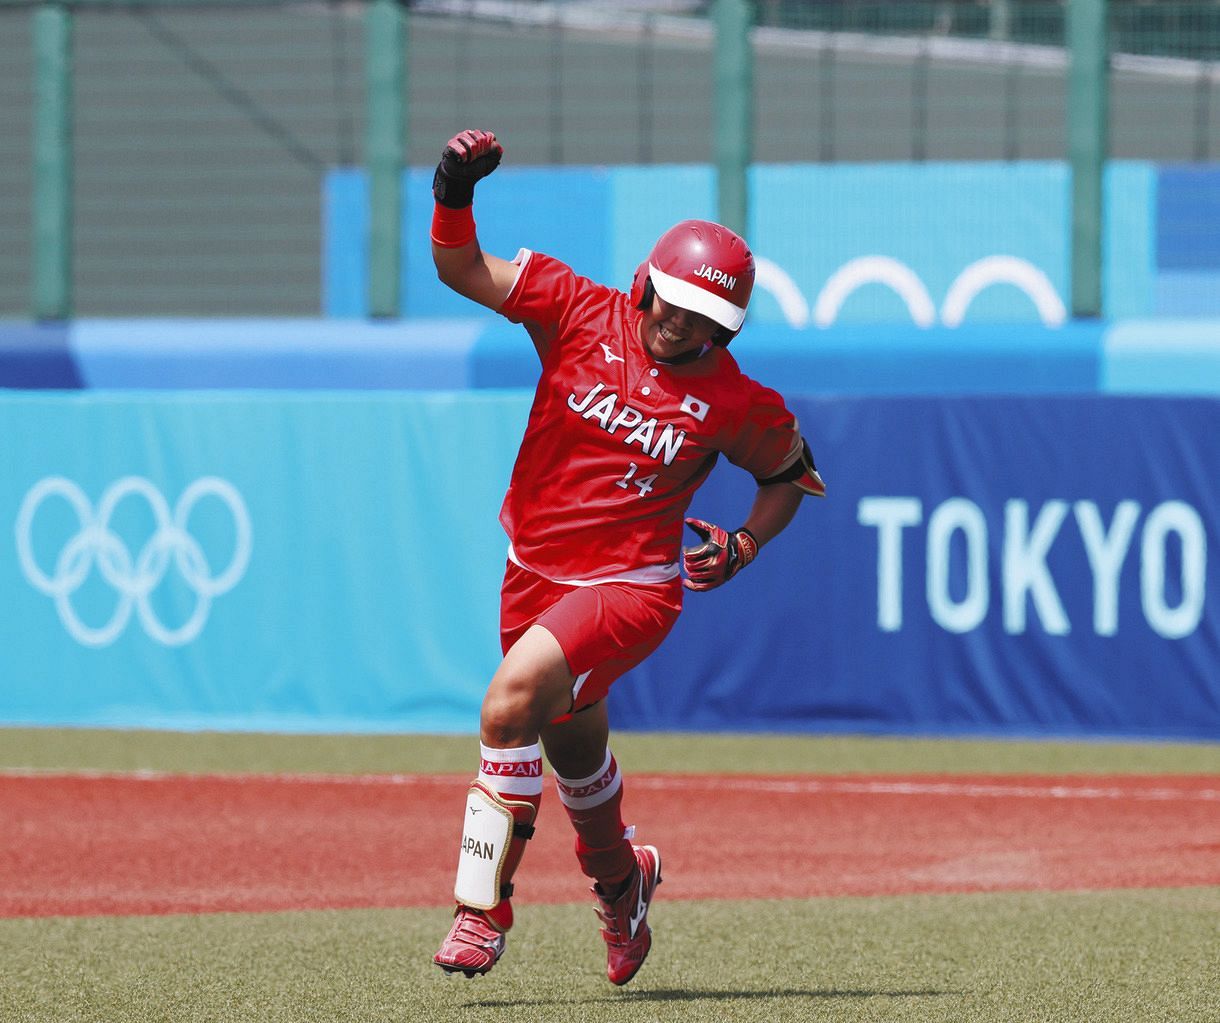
[733, 96]
[52, 159]
[385, 45]
[1088, 110]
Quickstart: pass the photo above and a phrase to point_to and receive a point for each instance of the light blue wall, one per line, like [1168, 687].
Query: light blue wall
[934, 219]
[306, 588]
[563, 211]
[808, 220]
[1163, 357]
[812, 219]
[1129, 273]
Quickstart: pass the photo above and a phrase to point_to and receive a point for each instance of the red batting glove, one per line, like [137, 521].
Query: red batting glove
[720, 557]
[468, 158]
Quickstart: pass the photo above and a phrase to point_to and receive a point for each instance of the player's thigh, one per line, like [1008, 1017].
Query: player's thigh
[532, 684]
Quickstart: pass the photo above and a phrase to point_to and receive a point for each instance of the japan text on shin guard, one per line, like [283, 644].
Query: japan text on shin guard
[494, 834]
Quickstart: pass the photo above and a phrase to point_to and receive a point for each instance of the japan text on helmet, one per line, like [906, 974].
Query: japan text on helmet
[703, 267]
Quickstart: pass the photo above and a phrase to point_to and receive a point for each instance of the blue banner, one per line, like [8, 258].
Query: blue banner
[330, 562]
[1009, 566]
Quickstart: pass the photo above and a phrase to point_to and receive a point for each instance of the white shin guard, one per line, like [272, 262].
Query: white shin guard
[486, 836]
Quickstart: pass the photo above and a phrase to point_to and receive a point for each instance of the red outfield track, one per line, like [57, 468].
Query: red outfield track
[85, 844]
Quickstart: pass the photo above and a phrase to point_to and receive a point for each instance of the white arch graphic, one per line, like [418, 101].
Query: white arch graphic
[989, 270]
[773, 278]
[855, 273]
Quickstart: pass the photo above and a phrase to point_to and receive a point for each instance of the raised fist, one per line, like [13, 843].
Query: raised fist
[468, 157]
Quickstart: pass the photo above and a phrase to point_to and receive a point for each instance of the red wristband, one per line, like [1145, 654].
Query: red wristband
[451, 229]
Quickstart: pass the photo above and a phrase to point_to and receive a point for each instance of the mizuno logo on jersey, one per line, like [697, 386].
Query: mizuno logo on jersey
[610, 356]
[710, 273]
[603, 408]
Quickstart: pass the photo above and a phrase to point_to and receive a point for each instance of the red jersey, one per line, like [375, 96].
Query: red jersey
[617, 443]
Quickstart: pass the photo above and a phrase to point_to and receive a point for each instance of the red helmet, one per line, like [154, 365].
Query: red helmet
[703, 267]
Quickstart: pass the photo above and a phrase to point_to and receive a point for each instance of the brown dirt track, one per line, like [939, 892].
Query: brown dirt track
[90, 844]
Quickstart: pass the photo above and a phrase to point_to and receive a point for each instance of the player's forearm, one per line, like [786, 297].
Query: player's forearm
[774, 507]
[460, 262]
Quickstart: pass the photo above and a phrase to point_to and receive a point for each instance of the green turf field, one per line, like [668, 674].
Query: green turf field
[100, 749]
[1139, 956]
[1142, 956]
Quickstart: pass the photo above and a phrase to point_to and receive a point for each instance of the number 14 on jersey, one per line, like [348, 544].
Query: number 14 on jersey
[644, 482]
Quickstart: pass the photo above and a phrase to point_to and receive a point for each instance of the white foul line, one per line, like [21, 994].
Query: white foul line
[921, 788]
[734, 783]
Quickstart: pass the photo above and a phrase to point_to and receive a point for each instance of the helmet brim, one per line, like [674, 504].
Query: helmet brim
[685, 295]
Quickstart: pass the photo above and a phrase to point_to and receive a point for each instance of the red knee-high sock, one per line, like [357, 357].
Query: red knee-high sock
[515, 776]
[594, 806]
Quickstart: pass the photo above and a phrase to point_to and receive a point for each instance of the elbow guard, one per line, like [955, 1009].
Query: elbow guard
[802, 474]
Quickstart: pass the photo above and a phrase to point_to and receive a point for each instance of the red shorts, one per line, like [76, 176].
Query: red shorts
[603, 630]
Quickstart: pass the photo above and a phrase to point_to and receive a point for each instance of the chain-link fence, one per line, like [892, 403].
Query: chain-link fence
[202, 133]
[201, 139]
[940, 80]
[16, 129]
[833, 82]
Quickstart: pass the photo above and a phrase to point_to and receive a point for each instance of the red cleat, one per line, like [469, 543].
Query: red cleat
[626, 932]
[473, 946]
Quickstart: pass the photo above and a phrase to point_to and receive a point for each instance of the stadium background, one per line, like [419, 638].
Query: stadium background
[960, 765]
[948, 201]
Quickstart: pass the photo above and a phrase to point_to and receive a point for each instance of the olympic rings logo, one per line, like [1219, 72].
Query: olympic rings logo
[134, 578]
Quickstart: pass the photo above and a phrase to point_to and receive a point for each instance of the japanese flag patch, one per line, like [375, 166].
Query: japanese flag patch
[693, 406]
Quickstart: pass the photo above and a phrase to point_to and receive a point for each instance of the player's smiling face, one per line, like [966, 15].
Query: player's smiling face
[670, 332]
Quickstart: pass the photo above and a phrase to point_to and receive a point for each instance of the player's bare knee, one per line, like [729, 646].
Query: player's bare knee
[520, 700]
[510, 717]
[505, 734]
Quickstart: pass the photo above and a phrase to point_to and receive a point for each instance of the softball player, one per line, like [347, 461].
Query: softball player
[638, 396]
